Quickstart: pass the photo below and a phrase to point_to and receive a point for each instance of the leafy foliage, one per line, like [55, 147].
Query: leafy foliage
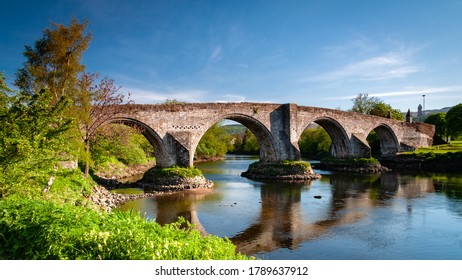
[37, 229]
[53, 62]
[385, 110]
[363, 103]
[439, 121]
[454, 121]
[31, 139]
[119, 143]
[315, 143]
[96, 105]
[245, 143]
[214, 143]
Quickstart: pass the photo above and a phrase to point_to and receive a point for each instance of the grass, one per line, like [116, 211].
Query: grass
[175, 171]
[286, 167]
[62, 224]
[452, 147]
[352, 161]
[39, 229]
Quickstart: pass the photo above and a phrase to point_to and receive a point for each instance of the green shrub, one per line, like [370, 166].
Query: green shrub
[38, 229]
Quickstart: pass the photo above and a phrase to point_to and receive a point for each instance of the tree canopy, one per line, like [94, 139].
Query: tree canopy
[363, 103]
[454, 121]
[31, 138]
[385, 110]
[439, 121]
[54, 61]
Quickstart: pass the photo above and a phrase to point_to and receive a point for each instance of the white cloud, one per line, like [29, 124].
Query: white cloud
[386, 66]
[216, 54]
[407, 92]
[231, 98]
[142, 96]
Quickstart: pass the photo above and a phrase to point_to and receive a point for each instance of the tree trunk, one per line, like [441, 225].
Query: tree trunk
[87, 157]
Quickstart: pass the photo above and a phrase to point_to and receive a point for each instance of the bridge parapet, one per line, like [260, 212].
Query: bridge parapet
[176, 129]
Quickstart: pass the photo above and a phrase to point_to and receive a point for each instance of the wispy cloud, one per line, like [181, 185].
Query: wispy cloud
[230, 98]
[216, 54]
[143, 96]
[386, 66]
[406, 92]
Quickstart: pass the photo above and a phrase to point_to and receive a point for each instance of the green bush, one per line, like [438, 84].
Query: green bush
[214, 143]
[120, 144]
[38, 229]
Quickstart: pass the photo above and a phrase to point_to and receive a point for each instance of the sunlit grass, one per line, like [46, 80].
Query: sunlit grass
[453, 146]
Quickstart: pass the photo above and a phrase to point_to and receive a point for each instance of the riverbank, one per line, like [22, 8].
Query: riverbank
[154, 181]
[436, 162]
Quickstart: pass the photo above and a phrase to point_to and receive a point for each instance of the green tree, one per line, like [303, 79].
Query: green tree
[363, 103]
[215, 142]
[120, 143]
[31, 138]
[95, 106]
[315, 143]
[454, 121]
[439, 121]
[54, 61]
[250, 144]
[384, 110]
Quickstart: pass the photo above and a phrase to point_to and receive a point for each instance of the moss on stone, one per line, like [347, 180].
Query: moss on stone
[284, 170]
[174, 171]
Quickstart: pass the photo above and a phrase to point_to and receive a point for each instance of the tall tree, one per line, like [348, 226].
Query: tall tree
[363, 103]
[439, 121]
[385, 110]
[54, 61]
[454, 121]
[96, 104]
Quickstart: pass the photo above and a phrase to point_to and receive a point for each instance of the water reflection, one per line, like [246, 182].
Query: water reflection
[265, 216]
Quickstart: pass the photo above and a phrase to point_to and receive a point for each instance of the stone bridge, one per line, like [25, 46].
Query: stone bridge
[176, 129]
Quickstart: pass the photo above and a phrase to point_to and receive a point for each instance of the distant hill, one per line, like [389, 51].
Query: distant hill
[429, 112]
[235, 129]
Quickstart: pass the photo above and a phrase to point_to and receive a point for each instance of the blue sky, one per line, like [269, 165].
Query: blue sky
[314, 53]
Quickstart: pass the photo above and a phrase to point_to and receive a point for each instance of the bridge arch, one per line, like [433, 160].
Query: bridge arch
[266, 140]
[389, 144]
[163, 158]
[340, 147]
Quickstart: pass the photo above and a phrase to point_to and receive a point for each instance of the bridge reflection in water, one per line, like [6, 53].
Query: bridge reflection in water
[284, 219]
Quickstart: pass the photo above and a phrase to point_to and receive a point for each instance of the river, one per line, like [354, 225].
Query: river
[341, 216]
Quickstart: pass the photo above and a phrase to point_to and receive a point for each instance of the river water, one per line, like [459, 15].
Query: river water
[341, 216]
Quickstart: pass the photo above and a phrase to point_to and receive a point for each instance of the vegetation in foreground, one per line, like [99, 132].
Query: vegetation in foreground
[39, 229]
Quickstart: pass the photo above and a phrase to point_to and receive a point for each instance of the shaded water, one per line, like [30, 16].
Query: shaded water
[388, 216]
